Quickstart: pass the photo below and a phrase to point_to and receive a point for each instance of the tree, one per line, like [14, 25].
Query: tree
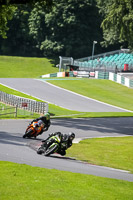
[68, 28]
[6, 13]
[71, 28]
[8, 7]
[36, 23]
[117, 22]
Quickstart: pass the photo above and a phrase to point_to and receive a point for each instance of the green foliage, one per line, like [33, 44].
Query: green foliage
[65, 28]
[50, 48]
[6, 13]
[20, 38]
[36, 23]
[117, 22]
[68, 29]
[72, 27]
[18, 41]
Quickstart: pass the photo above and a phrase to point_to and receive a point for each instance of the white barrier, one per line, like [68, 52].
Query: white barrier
[24, 103]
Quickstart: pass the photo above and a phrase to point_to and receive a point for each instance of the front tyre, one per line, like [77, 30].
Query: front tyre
[51, 149]
[28, 133]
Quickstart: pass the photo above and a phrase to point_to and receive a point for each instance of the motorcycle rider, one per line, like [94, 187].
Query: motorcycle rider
[66, 140]
[43, 120]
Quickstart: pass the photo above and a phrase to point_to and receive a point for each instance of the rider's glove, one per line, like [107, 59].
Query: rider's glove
[46, 128]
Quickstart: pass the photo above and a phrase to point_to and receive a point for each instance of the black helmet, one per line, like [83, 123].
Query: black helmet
[71, 136]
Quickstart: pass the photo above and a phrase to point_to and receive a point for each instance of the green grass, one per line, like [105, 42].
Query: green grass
[114, 152]
[19, 182]
[21, 67]
[102, 90]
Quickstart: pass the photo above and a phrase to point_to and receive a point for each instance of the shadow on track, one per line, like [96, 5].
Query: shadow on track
[103, 125]
[6, 138]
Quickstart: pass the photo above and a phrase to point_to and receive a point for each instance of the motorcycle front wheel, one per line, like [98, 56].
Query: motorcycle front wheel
[51, 149]
[28, 133]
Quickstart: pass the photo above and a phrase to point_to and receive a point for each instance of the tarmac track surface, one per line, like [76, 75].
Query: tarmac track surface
[58, 96]
[16, 149]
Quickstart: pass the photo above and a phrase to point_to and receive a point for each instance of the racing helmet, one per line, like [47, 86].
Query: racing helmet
[71, 136]
[47, 115]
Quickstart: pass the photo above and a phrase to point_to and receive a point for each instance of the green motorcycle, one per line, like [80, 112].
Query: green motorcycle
[51, 145]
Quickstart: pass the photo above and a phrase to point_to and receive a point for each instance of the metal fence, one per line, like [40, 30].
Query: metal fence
[102, 55]
[110, 61]
[24, 103]
[8, 111]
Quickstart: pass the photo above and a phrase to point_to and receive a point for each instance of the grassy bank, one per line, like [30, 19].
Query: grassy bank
[114, 152]
[103, 90]
[22, 67]
[20, 182]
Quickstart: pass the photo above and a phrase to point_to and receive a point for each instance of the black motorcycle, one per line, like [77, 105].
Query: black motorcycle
[51, 145]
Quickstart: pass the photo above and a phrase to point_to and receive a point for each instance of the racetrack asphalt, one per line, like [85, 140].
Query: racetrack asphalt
[16, 149]
[58, 96]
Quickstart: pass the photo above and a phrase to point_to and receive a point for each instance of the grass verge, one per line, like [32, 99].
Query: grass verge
[114, 152]
[20, 182]
[103, 90]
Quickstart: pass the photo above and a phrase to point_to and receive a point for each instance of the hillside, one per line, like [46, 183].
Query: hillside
[25, 67]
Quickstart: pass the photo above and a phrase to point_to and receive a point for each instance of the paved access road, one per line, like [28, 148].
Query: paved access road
[16, 149]
[58, 96]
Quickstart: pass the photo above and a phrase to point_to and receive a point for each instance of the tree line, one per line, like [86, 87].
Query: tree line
[66, 28]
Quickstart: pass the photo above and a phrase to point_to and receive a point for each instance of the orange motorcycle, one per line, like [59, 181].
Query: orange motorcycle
[34, 129]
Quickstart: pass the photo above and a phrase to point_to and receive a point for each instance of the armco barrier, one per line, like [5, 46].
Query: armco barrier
[83, 74]
[70, 74]
[123, 80]
[131, 84]
[53, 75]
[115, 77]
[103, 75]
